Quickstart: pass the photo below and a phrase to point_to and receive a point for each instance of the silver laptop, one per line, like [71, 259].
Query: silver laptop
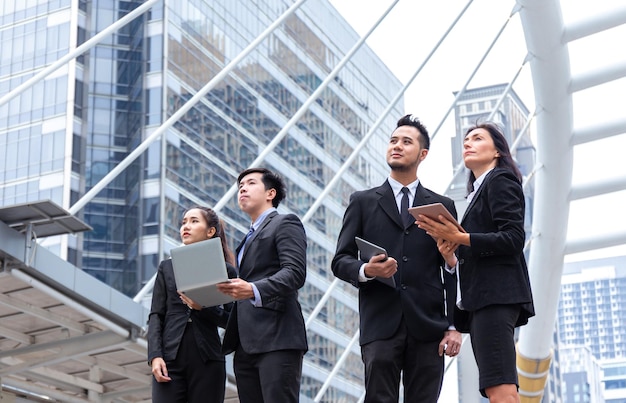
[198, 268]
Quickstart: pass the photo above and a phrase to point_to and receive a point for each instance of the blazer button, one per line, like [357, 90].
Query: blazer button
[405, 259]
[406, 232]
[461, 261]
[403, 286]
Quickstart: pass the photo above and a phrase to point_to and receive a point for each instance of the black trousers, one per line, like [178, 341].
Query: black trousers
[193, 381]
[269, 377]
[418, 361]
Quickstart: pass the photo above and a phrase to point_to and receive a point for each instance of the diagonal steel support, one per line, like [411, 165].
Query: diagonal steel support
[93, 41]
[130, 158]
[305, 106]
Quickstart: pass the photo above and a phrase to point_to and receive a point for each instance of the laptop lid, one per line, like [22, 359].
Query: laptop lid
[198, 268]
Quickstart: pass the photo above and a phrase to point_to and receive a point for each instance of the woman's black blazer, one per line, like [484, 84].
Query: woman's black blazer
[169, 318]
[493, 269]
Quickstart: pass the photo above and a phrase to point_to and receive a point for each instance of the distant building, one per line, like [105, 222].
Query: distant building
[592, 314]
[553, 392]
[614, 380]
[582, 375]
[592, 308]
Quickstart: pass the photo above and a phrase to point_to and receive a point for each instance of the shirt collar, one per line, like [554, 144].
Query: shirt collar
[397, 186]
[260, 218]
[479, 181]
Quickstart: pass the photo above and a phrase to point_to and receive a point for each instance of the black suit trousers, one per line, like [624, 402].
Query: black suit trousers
[418, 361]
[268, 377]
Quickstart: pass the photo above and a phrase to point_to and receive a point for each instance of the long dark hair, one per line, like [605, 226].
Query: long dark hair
[214, 221]
[505, 160]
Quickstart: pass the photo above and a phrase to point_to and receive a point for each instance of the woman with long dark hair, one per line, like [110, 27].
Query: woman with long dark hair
[495, 295]
[184, 348]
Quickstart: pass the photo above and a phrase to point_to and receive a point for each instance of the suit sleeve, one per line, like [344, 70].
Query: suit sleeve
[505, 224]
[345, 264]
[290, 243]
[157, 316]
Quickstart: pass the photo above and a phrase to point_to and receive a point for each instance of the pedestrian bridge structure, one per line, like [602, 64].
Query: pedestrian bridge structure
[65, 336]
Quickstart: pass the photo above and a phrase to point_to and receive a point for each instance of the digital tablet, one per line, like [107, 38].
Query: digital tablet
[366, 251]
[433, 211]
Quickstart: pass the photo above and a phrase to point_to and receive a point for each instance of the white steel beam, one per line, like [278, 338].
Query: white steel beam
[93, 41]
[597, 77]
[598, 187]
[597, 132]
[595, 242]
[543, 28]
[305, 106]
[593, 25]
[143, 146]
[478, 65]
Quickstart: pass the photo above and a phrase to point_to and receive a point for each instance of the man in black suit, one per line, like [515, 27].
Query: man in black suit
[405, 329]
[266, 328]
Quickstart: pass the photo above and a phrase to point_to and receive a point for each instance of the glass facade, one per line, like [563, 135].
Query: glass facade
[59, 138]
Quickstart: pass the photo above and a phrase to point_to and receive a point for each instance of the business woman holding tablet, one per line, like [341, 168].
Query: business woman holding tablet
[495, 294]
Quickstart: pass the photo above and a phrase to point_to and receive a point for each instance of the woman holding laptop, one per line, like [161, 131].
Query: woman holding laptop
[495, 294]
[184, 348]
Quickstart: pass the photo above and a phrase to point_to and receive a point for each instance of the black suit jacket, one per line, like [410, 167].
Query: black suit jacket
[493, 269]
[275, 261]
[419, 294]
[169, 317]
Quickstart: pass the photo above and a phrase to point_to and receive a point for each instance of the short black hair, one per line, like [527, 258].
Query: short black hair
[271, 180]
[412, 120]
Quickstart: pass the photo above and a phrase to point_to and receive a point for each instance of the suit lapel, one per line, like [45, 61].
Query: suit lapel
[256, 233]
[387, 202]
[476, 195]
[421, 196]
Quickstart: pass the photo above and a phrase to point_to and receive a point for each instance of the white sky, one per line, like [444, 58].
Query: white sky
[405, 38]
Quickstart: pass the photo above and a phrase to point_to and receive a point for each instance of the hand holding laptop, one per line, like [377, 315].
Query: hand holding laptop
[196, 278]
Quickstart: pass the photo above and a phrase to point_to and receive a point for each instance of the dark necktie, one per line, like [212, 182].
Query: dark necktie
[245, 242]
[407, 218]
[248, 236]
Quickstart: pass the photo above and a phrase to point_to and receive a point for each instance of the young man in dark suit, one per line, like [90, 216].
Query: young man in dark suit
[266, 328]
[405, 329]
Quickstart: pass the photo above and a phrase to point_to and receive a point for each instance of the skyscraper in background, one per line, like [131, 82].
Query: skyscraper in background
[59, 138]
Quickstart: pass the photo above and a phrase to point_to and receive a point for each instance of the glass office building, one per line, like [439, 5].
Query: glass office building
[61, 136]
